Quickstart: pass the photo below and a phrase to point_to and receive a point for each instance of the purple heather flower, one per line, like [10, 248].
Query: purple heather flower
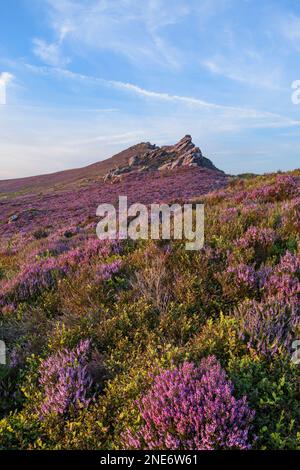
[282, 282]
[244, 275]
[65, 380]
[106, 271]
[269, 327]
[257, 236]
[192, 408]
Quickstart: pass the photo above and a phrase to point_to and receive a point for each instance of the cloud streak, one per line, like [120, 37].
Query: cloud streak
[133, 29]
[249, 117]
[50, 53]
[242, 73]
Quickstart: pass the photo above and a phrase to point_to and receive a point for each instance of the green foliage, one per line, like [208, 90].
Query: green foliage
[273, 391]
[163, 307]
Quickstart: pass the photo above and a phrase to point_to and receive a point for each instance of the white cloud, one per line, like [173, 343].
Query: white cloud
[250, 73]
[290, 27]
[138, 30]
[132, 28]
[190, 101]
[227, 118]
[50, 53]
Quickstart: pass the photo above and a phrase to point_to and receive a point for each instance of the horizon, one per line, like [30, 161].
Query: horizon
[86, 80]
[49, 173]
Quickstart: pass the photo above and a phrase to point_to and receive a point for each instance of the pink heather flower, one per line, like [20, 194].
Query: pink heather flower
[291, 215]
[8, 309]
[192, 408]
[269, 326]
[106, 271]
[65, 380]
[30, 281]
[291, 204]
[264, 275]
[228, 214]
[284, 187]
[282, 286]
[244, 275]
[283, 281]
[252, 208]
[257, 236]
[289, 264]
[43, 274]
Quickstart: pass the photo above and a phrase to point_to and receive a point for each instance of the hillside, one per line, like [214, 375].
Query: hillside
[70, 198]
[142, 344]
[49, 181]
[120, 163]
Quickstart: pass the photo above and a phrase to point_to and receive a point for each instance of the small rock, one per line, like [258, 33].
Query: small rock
[13, 218]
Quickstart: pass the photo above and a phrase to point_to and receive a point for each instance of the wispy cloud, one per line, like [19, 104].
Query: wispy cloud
[51, 52]
[133, 29]
[139, 31]
[148, 34]
[249, 72]
[290, 27]
[241, 116]
[190, 101]
[5, 78]
[80, 138]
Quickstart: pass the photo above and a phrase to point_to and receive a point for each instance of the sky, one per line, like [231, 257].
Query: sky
[84, 79]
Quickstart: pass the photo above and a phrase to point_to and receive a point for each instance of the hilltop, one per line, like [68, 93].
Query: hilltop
[183, 154]
[141, 157]
[144, 173]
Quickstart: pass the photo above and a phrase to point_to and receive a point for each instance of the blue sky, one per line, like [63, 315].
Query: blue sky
[87, 78]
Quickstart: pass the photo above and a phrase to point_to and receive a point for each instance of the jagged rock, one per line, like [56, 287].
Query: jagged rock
[184, 153]
[133, 160]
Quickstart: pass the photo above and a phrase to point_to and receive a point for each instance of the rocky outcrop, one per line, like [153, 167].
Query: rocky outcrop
[182, 154]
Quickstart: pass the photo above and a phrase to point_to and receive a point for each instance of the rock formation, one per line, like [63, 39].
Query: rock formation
[182, 154]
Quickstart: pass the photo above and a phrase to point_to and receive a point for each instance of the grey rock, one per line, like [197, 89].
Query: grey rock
[13, 218]
[183, 154]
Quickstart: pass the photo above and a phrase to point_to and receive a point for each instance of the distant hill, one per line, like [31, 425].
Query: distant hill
[144, 173]
[140, 157]
[94, 170]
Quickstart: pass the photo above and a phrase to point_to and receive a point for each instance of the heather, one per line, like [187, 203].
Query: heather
[142, 344]
[192, 408]
[65, 380]
[269, 327]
